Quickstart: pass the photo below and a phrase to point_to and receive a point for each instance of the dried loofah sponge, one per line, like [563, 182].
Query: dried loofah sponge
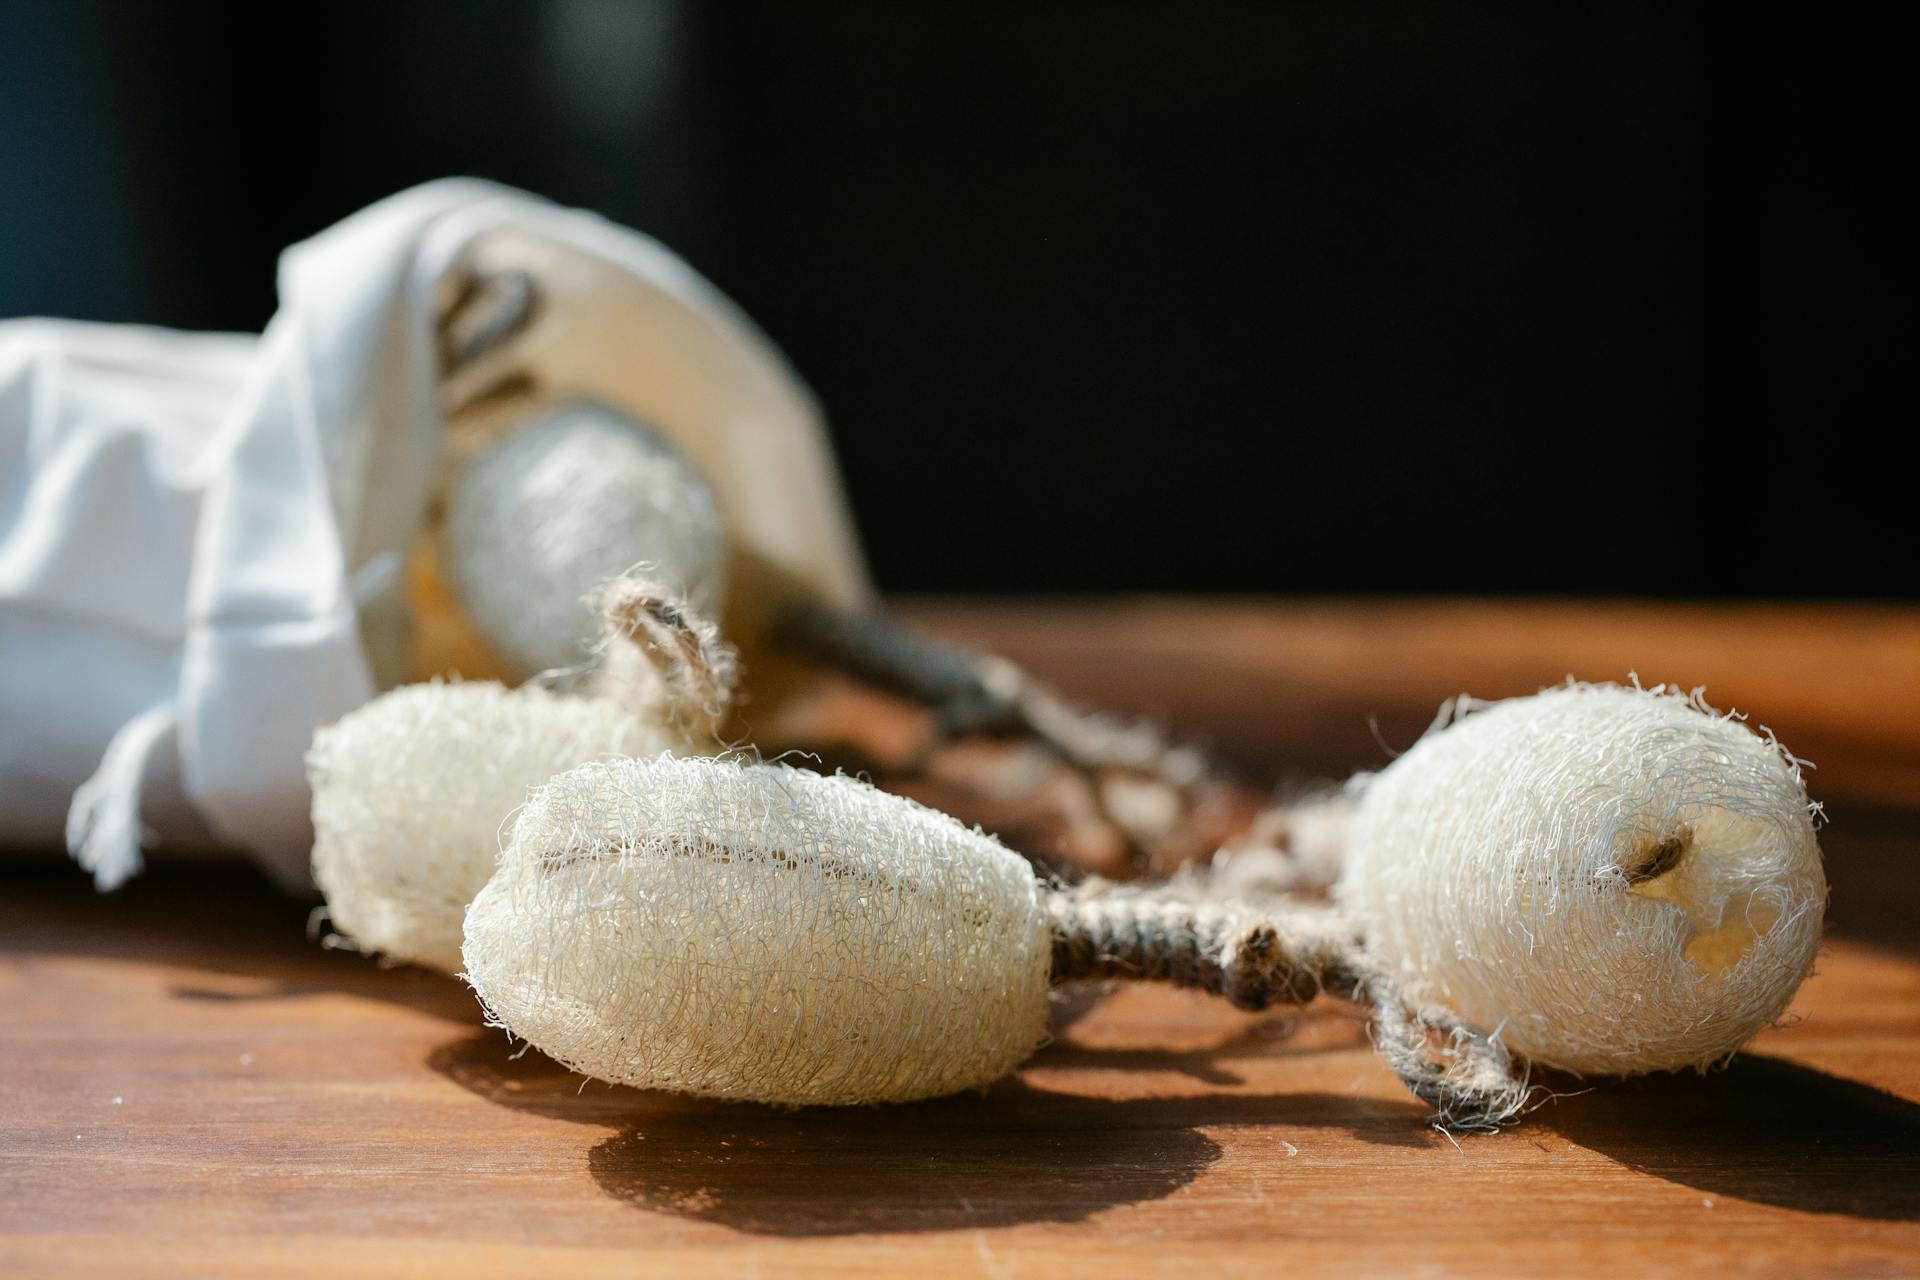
[535, 521]
[760, 932]
[1609, 880]
[411, 790]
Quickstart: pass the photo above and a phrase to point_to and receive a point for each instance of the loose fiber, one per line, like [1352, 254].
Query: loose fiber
[1607, 880]
[411, 790]
[759, 932]
[537, 520]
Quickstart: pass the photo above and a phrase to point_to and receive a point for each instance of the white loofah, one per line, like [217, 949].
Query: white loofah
[411, 790]
[760, 932]
[535, 521]
[1612, 880]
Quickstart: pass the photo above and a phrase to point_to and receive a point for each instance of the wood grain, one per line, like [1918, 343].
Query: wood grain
[1325, 687]
[189, 1086]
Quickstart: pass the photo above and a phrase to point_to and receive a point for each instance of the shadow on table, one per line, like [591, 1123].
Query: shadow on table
[1014, 1154]
[245, 940]
[1765, 1130]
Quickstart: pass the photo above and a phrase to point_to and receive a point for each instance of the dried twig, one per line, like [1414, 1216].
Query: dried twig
[971, 693]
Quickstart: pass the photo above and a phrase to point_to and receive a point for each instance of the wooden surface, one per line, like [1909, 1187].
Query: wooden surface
[189, 1086]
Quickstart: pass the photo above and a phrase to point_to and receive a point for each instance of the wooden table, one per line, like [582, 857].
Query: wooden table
[189, 1086]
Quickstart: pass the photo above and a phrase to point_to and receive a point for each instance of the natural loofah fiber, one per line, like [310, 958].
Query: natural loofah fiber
[535, 521]
[1602, 879]
[760, 932]
[1607, 880]
[411, 790]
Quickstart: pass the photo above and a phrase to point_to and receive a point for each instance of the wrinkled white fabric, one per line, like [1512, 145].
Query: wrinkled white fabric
[202, 536]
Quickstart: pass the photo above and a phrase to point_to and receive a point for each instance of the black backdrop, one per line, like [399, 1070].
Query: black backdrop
[1345, 297]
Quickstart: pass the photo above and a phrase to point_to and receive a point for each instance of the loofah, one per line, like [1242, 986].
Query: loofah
[759, 932]
[1601, 879]
[1610, 880]
[536, 520]
[410, 791]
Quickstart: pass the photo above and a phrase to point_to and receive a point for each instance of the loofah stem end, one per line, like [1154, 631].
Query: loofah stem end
[660, 654]
[1283, 954]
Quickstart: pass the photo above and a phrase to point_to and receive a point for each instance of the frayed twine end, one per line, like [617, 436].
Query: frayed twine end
[659, 653]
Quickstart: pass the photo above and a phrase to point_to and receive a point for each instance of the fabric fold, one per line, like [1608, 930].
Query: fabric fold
[201, 535]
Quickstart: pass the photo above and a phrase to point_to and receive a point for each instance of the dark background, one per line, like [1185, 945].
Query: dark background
[1345, 297]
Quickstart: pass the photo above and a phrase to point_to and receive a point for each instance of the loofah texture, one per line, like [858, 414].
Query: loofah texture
[537, 520]
[1610, 880]
[760, 932]
[411, 790]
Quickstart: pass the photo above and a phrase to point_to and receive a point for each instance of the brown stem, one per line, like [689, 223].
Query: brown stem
[971, 693]
[1279, 952]
[1282, 954]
